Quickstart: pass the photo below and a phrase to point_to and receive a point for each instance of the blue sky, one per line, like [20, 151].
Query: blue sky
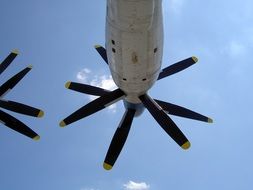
[57, 38]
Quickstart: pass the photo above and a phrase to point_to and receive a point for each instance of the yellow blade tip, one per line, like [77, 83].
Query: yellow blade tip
[195, 59]
[36, 138]
[30, 66]
[41, 114]
[107, 166]
[15, 51]
[186, 145]
[62, 124]
[97, 46]
[210, 120]
[67, 84]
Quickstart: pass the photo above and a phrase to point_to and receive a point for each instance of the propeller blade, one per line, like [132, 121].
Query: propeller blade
[182, 112]
[119, 139]
[21, 108]
[17, 125]
[177, 67]
[94, 106]
[165, 122]
[9, 84]
[8, 60]
[87, 89]
[102, 52]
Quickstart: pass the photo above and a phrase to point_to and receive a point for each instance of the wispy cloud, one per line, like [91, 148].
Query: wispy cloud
[236, 48]
[82, 75]
[104, 81]
[136, 186]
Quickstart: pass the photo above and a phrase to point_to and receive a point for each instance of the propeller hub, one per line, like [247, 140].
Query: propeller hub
[139, 108]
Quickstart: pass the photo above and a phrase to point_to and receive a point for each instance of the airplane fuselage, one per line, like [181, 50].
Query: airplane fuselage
[134, 44]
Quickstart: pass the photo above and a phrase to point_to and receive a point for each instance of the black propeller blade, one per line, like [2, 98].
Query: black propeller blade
[177, 67]
[87, 89]
[9, 84]
[8, 60]
[17, 125]
[102, 52]
[21, 108]
[182, 112]
[165, 122]
[94, 106]
[119, 139]
[7, 119]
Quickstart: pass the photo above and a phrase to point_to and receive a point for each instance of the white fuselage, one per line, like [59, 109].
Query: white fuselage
[134, 44]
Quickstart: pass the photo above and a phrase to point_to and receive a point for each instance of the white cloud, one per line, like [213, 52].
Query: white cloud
[83, 75]
[136, 186]
[236, 48]
[104, 81]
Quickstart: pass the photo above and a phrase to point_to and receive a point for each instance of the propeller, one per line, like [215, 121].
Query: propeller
[7, 119]
[94, 106]
[17, 125]
[8, 60]
[165, 122]
[21, 108]
[182, 112]
[102, 52]
[119, 139]
[87, 89]
[157, 108]
[177, 67]
[9, 84]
